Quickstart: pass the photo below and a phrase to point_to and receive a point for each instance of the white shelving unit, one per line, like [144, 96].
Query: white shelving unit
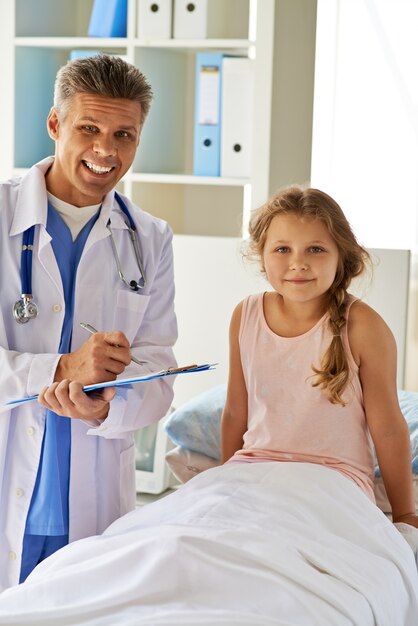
[37, 38]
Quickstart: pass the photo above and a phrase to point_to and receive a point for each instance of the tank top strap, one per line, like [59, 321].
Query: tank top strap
[250, 312]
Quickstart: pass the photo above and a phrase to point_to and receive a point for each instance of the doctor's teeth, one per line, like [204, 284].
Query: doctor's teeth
[97, 169]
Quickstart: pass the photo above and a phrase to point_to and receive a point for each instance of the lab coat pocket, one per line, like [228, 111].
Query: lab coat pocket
[127, 487]
[130, 311]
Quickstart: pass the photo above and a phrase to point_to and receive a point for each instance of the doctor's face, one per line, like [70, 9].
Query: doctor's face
[95, 144]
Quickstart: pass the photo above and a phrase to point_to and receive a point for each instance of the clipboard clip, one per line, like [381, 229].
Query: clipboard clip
[185, 368]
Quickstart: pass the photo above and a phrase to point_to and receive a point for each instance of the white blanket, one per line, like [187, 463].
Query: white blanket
[269, 544]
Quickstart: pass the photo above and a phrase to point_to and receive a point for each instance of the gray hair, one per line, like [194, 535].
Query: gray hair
[102, 75]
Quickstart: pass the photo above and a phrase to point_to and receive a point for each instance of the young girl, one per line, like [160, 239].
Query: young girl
[312, 369]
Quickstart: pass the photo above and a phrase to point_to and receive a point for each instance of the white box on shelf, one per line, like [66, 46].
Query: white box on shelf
[154, 19]
[238, 77]
[190, 19]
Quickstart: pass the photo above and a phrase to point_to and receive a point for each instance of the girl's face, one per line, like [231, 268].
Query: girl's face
[300, 258]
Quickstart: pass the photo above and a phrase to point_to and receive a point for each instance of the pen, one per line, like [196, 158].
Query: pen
[90, 329]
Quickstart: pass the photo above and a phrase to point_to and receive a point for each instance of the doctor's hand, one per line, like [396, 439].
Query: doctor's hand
[68, 399]
[101, 358]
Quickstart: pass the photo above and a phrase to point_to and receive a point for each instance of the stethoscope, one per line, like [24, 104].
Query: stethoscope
[26, 309]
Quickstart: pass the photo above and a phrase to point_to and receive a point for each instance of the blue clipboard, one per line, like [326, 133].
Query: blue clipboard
[123, 382]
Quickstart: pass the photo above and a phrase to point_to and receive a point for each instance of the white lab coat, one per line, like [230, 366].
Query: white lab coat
[102, 477]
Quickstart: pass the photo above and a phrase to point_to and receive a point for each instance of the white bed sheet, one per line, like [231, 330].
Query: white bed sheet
[283, 544]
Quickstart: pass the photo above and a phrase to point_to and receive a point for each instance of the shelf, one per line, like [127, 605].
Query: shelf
[196, 44]
[188, 179]
[71, 42]
[170, 179]
[239, 45]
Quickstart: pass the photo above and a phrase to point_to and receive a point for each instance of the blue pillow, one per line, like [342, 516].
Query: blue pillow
[408, 401]
[196, 425]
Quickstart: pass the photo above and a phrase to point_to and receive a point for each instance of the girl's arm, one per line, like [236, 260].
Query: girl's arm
[374, 348]
[234, 416]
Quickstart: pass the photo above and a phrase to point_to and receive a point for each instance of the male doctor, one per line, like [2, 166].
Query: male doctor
[66, 256]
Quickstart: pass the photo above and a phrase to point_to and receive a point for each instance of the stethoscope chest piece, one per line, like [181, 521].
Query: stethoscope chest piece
[24, 309]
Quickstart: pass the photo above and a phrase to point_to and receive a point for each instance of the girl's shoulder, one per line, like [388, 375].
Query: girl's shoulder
[242, 306]
[251, 300]
[366, 329]
[248, 311]
[364, 315]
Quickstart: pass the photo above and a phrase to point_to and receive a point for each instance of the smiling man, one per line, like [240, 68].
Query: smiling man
[72, 250]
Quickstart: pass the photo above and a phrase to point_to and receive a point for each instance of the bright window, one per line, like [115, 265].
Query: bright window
[365, 139]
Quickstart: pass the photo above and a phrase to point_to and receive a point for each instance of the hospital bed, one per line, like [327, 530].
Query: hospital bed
[268, 544]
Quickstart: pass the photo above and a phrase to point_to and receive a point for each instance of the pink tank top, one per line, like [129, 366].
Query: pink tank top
[288, 418]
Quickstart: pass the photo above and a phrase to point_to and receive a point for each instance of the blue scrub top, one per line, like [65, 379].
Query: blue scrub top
[48, 512]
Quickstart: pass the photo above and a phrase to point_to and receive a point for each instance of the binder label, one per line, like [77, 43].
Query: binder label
[209, 86]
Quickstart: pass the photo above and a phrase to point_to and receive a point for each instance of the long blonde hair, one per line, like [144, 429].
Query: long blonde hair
[333, 374]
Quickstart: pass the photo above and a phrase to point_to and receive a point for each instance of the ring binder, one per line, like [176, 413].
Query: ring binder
[154, 19]
[237, 115]
[190, 19]
[109, 18]
[207, 130]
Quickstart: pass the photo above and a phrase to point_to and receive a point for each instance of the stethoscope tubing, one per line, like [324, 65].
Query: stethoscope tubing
[26, 263]
[21, 308]
[133, 285]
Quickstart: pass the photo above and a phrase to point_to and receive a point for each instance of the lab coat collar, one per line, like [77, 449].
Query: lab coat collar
[100, 231]
[32, 201]
[112, 210]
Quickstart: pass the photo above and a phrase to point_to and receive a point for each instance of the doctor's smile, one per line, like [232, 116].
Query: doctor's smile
[97, 169]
